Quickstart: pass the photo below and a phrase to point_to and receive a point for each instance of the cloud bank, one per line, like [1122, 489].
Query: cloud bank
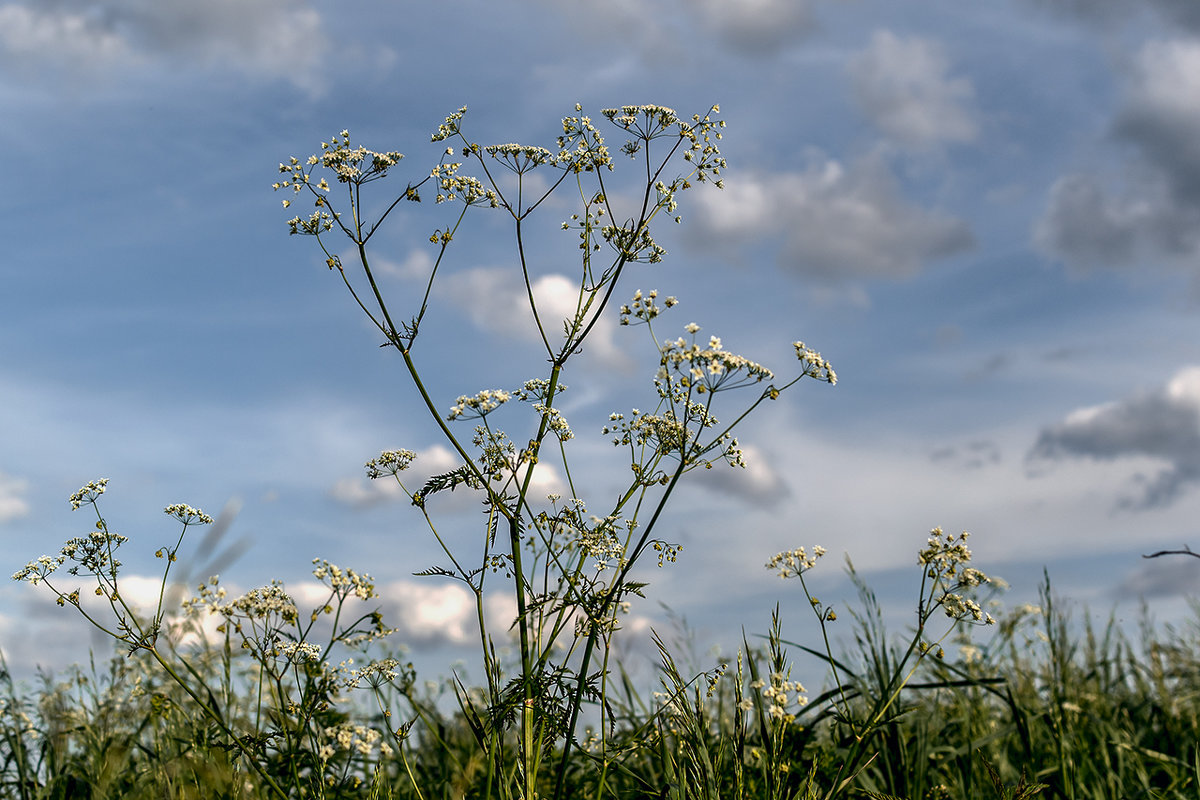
[837, 222]
[1163, 425]
[80, 40]
[1155, 215]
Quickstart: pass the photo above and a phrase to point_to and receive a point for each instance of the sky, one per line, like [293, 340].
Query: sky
[985, 216]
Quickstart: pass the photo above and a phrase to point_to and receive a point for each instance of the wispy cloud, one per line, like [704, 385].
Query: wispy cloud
[972, 455]
[13, 504]
[906, 88]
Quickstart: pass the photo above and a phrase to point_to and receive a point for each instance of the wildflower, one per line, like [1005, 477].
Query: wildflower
[520, 158]
[187, 515]
[643, 307]
[793, 563]
[814, 365]
[480, 405]
[344, 582]
[89, 493]
[390, 462]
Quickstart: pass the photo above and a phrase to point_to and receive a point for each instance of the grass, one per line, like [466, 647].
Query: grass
[1047, 707]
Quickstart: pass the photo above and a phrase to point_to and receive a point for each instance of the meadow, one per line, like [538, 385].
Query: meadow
[1049, 707]
[259, 696]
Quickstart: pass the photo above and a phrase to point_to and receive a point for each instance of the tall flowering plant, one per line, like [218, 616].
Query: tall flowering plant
[568, 558]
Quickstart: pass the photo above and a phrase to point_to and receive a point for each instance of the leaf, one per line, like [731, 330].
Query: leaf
[447, 480]
[435, 571]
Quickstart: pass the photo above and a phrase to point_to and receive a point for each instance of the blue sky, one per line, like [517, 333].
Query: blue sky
[986, 216]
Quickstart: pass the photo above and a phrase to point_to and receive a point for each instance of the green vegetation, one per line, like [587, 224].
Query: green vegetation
[255, 697]
[1094, 716]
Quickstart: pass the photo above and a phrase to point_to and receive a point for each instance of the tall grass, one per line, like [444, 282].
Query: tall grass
[1078, 708]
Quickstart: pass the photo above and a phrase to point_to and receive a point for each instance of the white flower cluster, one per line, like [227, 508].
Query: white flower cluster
[263, 602]
[707, 369]
[317, 223]
[210, 597]
[88, 493]
[449, 127]
[356, 165]
[344, 582]
[188, 515]
[582, 145]
[601, 542]
[777, 696]
[479, 405]
[389, 462]
[944, 558]
[644, 306]
[94, 553]
[537, 389]
[452, 186]
[555, 421]
[814, 365]
[633, 243]
[347, 736]
[648, 122]
[375, 674]
[521, 158]
[793, 563]
[36, 571]
[629, 117]
[297, 652]
[662, 431]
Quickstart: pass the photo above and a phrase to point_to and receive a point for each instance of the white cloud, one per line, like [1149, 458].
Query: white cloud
[759, 483]
[1155, 216]
[1087, 227]
[905, 87]
[496, 301]
[13, 504]
[756, 27]
[362, 492]
[666, 32]
[82, 39]
[29, 33]
[1161, 116]
[416, 265]
[1161, 425]
[837, 222]
[429, 612]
